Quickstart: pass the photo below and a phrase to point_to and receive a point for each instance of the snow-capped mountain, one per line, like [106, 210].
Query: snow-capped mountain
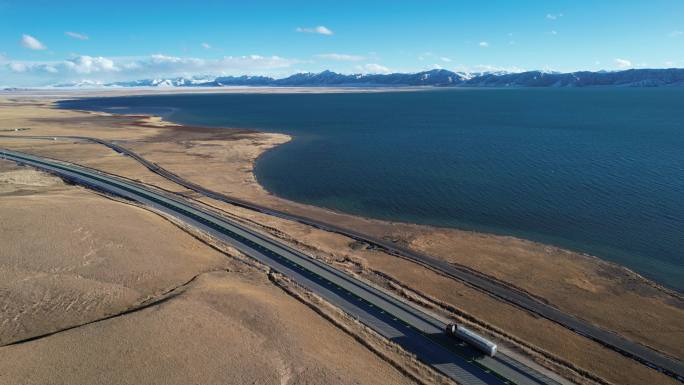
[161, 82]
[173, 82]
[436, 77]
[628, 78]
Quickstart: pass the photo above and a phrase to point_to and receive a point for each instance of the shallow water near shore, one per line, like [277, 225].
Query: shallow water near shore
[595, 170]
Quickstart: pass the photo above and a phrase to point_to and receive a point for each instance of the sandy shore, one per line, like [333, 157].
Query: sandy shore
[606, 294]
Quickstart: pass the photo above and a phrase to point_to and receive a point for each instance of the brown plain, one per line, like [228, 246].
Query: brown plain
[133, 299]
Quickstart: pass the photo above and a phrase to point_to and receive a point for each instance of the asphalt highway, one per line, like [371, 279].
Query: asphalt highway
[409, 327]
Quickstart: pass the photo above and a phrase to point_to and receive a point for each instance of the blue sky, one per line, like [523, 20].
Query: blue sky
[43, 42]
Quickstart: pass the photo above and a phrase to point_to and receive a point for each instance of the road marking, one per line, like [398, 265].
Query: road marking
[179, 208]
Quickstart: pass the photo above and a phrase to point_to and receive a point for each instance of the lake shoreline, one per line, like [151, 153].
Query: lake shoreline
[598, 291]
[506, 171]
[274, 140]
[146, 120]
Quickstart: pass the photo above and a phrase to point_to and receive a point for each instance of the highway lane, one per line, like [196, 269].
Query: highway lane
[643, 354]
[394, 319]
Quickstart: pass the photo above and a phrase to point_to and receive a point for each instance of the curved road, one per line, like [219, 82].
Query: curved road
[414, 330]
[643, 354]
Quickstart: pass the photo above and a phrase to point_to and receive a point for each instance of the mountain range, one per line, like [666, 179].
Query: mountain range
[436, 77]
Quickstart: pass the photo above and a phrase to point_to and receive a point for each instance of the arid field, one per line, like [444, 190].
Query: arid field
[101, 292]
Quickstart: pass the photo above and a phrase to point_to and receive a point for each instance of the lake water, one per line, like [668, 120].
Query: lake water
[595, 170]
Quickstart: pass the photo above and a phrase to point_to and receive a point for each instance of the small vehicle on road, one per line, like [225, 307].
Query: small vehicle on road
[473, 339]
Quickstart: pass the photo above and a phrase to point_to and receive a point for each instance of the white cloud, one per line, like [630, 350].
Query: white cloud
[623, 63]
[554, 32]
[445, 59]
[552, 16]
[206, 45]
[676, 33]
[76, 35]
[17, 67]
[77, 65]
[89, 65]
[131, 68]
[669, 64]
[483, 44]
[322, 30]
[487, 68]
[229, 64]
[340, 57]
[373, 68]
[30, 42]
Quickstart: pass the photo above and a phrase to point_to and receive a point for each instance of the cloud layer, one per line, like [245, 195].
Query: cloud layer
[623, 63]
[105, 69]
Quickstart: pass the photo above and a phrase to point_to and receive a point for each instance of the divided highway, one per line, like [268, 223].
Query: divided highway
[643, 354]
[409, 327]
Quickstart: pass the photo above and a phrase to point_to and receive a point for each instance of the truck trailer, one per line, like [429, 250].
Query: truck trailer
[473, 339]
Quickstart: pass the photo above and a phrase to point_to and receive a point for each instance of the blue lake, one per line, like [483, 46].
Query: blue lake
[597, 170]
